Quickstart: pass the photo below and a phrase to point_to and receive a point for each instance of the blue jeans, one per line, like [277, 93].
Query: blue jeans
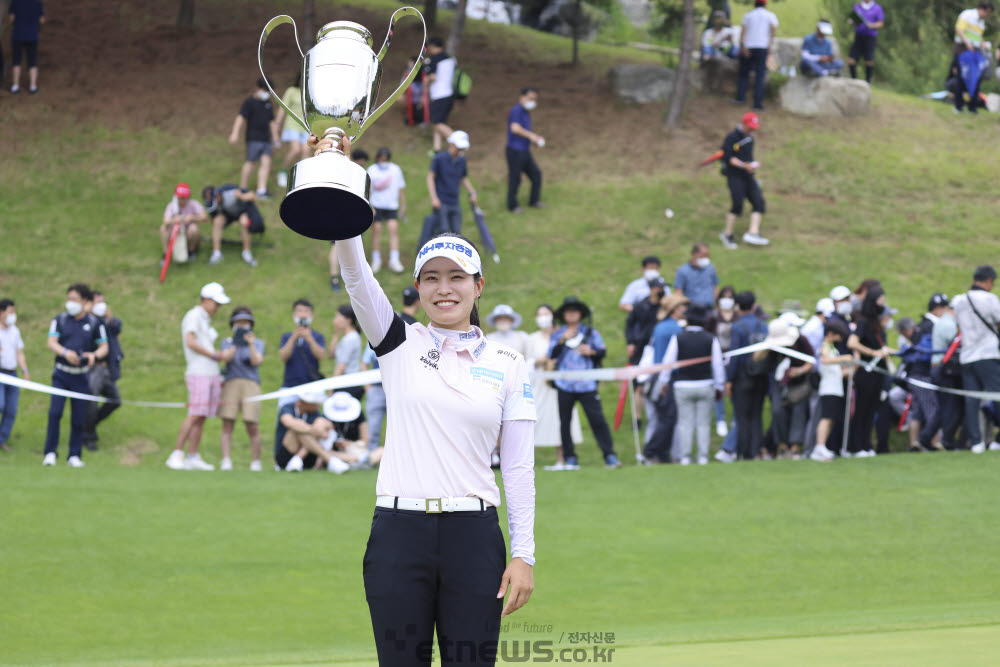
[9, 395]
[448, 218]
[756, 61]
[982, 375]
[811, 68]
[78, 412]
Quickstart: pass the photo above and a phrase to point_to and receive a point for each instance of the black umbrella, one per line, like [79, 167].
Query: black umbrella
[484, 231]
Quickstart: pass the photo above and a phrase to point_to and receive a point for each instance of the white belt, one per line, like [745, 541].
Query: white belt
[433, 505]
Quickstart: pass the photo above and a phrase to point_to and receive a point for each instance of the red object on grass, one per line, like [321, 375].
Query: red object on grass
[620, 411]
[170, 252]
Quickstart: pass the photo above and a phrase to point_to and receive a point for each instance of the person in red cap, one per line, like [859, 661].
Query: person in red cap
[184, 211]
[739, 167]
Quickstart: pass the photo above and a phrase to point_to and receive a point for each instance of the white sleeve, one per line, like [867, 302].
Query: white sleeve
[670, 358]
[517, 464]
[371, 305]
[718, 367]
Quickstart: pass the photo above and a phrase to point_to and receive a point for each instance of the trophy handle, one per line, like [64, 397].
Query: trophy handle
[373, 116]
[271, 25]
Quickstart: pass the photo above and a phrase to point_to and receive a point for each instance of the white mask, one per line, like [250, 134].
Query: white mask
[727, 303]
[844, 308]
[703, 262]
[263, 95]
[530, 104]
[503, 326]
[889, 324]
[101, 309]
[74, 308]
[303, 321]
[650, 274]
[11, 319]
[543, 321]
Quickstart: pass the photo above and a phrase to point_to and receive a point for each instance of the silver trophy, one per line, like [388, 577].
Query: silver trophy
[328, 194]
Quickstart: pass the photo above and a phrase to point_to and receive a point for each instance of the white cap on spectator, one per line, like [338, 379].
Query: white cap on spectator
[215, 292]
[791, 319]
[839, 293]
[825, 28]
[459, 140]
[825, 307]
[314, 397]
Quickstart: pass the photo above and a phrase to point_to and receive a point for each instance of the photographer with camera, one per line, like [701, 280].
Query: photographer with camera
[243, 353]
[301, 350]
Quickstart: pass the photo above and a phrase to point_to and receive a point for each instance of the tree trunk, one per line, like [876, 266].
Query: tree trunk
[682, 81]
[308, 35]
[185, 17]
[431, 13]
[457, 27]
[577, 18]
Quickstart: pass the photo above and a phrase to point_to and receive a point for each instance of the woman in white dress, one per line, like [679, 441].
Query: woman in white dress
[546, 405]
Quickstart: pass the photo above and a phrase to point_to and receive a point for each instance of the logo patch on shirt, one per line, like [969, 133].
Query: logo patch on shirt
[467, 335]
[431, 359]
[479, 350]
[526, 391]
[433, 355]
[508, 353]
[487, 376]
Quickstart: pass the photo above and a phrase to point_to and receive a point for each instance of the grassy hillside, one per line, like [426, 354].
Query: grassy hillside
[903, 194]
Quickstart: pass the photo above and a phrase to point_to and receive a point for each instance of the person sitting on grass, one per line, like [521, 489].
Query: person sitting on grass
[227, 204]
[301, 427]
[348, 440]
[184, 212]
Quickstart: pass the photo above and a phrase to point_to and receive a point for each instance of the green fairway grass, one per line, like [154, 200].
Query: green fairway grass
[781, 560]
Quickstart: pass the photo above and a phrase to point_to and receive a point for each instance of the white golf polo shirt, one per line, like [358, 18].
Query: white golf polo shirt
[451, 397]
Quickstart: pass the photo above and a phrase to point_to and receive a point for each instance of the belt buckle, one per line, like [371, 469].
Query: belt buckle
[427, 506]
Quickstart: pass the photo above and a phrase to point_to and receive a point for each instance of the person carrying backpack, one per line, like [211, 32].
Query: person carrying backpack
[978, 314]
[746, 377]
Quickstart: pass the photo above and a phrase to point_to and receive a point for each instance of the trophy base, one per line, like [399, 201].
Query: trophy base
[327, 198]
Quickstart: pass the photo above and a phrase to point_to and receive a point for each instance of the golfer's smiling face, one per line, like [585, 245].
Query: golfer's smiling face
[447, 293]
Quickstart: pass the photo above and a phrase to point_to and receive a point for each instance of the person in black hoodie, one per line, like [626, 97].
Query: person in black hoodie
[868, 341]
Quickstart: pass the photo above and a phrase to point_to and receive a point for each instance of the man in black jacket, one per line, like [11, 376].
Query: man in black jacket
[103, 377]
[638, 332]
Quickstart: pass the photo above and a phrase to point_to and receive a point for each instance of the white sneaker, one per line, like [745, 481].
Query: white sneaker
[336, 466]
[255, 466]
[75, 462]
[294, 464]
[755, 239]
[282, 179]
[215, 258]
[722, 456]
[176, 460]
[376, 265]
[195, 462]
[728, 241]
[248, 258]
[226, 464]
[396, 266]
[555, 467]
[871, 453]
[721, 429]
[821, 453]
[685, 460]
[50, 459]
[978, 448]
[703, 460]
[994, 446]
[845, 454]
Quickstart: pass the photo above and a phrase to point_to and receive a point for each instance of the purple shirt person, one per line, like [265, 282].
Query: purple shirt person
[865, 35]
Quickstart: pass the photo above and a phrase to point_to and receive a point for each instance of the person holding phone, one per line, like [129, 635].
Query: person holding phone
[243, 353]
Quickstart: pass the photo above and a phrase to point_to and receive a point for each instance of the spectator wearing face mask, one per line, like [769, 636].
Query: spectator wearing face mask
[301, 350]
[78, 340]
[638, 289]
[977, 312]
[243, 353]
[389, 201]
[447, 175]
[257, 115]
[869, 341]
[842, 310]
[520, 139]
[697, 279]
[104, 376]
[506, 322]
[725, 315]
[547, 433]
[11, 357]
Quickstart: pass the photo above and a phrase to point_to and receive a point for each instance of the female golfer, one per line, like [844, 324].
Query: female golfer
[435, 558]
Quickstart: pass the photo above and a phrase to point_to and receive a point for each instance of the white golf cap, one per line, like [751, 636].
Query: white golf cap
[454, 249]
[342, 407]
[825, 28]
[459, 139]
[839, 293]
[791, 319]
[825, 307]
[214, 292]
[314, 397]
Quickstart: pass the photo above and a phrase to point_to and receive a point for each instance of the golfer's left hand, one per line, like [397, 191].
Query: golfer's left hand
[318, 144]
[519, 580]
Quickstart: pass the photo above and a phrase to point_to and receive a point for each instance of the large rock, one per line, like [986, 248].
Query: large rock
[642, 84]
[826, 96]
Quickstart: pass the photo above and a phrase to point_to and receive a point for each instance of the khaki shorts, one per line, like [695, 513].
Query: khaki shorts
[234, 395]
